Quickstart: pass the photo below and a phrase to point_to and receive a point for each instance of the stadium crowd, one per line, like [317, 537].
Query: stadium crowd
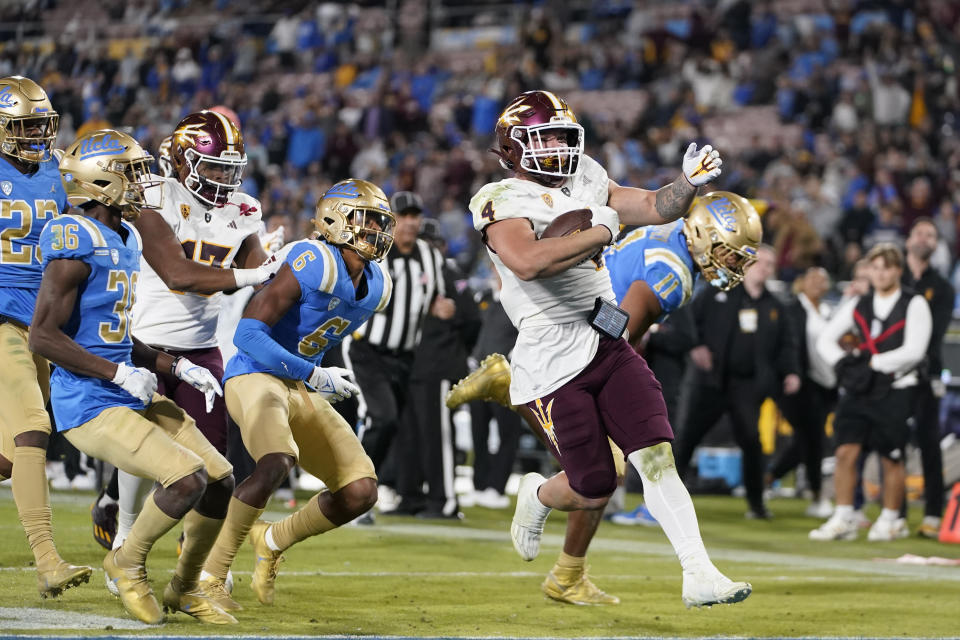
[842, 116]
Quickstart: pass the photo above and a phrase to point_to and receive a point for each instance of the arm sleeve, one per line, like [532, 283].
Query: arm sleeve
[916, 337]
[253, 338]
[828, 344]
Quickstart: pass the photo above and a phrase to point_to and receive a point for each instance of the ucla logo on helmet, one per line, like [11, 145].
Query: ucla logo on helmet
[723, 213]
[7, 99]
[105, 146]
[348, 190]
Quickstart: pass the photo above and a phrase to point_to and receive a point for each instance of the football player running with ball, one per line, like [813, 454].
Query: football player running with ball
[103, 390]
[326, 288]
[653, 271]
[571, 366]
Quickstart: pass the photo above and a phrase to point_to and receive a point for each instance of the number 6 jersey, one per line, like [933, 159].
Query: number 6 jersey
[328, 310]
[209, 235]
[100, 322]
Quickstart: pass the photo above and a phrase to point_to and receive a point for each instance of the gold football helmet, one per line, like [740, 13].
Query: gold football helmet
[723, 232]
[356, 214]
[28, 123]
[108, 167]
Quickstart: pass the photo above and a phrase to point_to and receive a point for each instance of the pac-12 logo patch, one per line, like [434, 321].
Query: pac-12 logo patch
[115, 256]
[7, 187]
[333, 303]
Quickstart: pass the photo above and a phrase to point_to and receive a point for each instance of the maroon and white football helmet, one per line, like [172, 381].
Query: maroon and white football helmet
[208, 157]
[529, 120]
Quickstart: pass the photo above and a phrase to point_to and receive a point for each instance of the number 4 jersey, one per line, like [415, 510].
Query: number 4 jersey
[27, 203]
[209, 235]
[330, 307]
[100, 322]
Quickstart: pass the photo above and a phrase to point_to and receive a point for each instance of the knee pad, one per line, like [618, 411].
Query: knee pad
[653, 462]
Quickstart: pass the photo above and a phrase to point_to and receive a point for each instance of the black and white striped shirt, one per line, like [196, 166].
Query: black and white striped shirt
[417, 280]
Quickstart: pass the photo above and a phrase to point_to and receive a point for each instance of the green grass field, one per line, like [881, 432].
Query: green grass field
[408, 577]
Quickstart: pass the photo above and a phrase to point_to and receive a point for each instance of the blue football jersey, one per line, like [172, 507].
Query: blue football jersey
[328, 308]
[100, 322]
[657, 255]
[27, 203]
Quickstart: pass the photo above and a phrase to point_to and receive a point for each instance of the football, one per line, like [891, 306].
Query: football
[569, 223]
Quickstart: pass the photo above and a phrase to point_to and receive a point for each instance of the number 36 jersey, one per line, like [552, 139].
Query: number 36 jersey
[100, 322]
[328, 309]
[209, 235]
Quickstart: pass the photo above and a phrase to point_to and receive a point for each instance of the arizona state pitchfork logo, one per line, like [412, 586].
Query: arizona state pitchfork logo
[545, 418]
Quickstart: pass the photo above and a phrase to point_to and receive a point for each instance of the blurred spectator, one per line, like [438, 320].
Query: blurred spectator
[746, 351]
[807, 410]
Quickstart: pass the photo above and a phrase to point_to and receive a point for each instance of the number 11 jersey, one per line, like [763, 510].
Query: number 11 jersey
[209, 235]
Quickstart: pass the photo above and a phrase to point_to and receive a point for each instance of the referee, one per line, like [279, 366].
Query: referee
[381, 351]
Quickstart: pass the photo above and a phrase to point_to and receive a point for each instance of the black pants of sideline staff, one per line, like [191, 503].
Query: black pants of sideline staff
[384, 380]
[927, 436]
[702, 405]
[807, 412]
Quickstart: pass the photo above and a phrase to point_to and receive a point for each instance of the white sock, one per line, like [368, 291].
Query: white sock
[890, 515]
[132, 490]
[268, 538]
[670, 503]
[844, 511]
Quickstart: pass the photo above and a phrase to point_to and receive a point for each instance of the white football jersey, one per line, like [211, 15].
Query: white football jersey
[209, 235]
[555, 341]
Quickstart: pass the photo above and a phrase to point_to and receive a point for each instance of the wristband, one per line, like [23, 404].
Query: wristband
[247, 277]
[173, 367]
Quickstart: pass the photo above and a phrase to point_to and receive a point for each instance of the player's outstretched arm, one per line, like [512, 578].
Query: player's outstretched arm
[643, 207]
[55, 301]
[165, 255]
[516, 244]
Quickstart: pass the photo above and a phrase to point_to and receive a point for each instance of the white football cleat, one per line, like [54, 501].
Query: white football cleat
[706, 587]
[529, 517]
[888, 530]
[836, 528]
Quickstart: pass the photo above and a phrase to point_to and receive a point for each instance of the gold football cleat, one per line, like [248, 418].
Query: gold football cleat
[196, 603]
[490, 381]
[53, 582]
[581, 592]
[216, 590]
[267, 563]
[135, 592]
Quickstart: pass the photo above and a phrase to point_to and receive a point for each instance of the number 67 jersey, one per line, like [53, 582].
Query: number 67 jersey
[100, 322]
[209, 235]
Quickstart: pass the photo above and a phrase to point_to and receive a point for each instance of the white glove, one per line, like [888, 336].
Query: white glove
[139, 382]
[608, 217]
[200, 379]
[258, 275]
[332, 383]
[272, 241]
[700, 167]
